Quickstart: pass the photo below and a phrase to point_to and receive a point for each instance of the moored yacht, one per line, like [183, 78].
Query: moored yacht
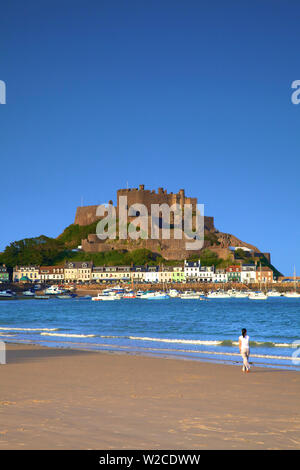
[218, 295]
[106, 296]
[239, 294]
[155, 296]
[189, 295]
[274, 293]
[257, 296]
[292, 295]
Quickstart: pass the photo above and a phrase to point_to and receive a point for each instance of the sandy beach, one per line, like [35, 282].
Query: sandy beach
[66, 399]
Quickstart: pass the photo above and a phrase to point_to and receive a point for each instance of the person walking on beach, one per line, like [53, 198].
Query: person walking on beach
[244, 347]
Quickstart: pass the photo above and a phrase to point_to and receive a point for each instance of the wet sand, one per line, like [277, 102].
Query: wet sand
[65, 399]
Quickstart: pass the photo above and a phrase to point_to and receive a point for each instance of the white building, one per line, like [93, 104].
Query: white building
[111, 273]
[248, 273]
[206, 273]
[192, 270]
[52, 273]
[152, 274]
[220, 275]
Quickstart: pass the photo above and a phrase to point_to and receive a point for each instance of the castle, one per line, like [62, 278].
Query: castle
[169, 249]
[87, 215]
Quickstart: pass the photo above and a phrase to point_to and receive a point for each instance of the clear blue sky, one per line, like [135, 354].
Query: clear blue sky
[181, 94]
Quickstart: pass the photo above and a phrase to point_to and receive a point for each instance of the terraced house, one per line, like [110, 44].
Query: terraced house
[111, 273]
[178, 274]
[233, 273]
[264, 274]
[192, 270]
[152, 274]
[26, 274]
[52, 273]
[77, 271]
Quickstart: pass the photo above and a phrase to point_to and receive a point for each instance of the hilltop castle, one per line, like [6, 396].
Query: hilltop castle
[87, 215]
[169, 249]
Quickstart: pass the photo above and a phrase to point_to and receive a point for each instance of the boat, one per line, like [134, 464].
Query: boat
[257, 296]
[106, 296]
[218, 295]
[294, 294]
[173, 293]
[7, 294]
[190, 295]
[129, 295]
[42, 297]
[274, 293]
[53, 290]
[139, 294]
[155, 296]
[28, 293]
[238, 294]
[118, 290]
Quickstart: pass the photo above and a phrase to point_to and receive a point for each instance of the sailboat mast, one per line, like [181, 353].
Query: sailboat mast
[260, 276]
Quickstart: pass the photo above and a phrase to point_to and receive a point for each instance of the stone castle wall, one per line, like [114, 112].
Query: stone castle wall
[147, 197]
[87, 215]
[169, 249]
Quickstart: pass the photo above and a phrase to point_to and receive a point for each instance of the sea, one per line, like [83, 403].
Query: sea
[173, 328]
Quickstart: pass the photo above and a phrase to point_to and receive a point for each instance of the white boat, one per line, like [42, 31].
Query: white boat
[240, 295]
[190, 295]
[257, 296]
[274, 293]
[292, 295]
[155, 296]
[173, 293]
[106, 296]
[6, 294]
[218, 295]
[139, 294]
[42, 297]
[53, 290]
[28, 293]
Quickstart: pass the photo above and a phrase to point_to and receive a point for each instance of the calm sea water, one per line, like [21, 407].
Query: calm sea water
[201, 330]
